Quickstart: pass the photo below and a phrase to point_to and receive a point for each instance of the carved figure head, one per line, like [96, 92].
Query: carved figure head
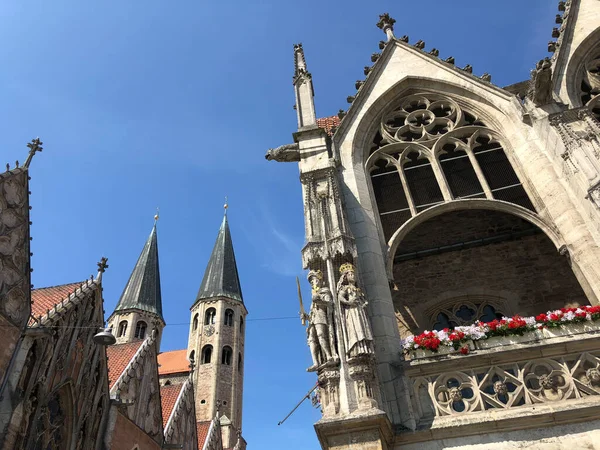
[500, 388]
[348, 272]
[315, 278]
[455, 394]
[547, 381]
[593, 375]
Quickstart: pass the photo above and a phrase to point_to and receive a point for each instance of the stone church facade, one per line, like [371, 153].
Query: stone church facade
[440, 201]
[68, 383]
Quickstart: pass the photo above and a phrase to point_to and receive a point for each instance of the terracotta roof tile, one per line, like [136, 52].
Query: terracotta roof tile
[202, 429]
[168, 397]
[118, 358]
[46, 298]
[174, 361]
[328, 123]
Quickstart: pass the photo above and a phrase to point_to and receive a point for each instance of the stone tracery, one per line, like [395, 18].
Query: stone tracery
[430, 150]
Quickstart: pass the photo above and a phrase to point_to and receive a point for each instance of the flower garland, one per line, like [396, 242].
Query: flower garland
[507, 326]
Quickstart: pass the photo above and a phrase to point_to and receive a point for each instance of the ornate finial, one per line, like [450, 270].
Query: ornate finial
[226, 205]
[346, 267]
[386, 24]
[34, 146]
[299, 62]
[103, 264]
[420, 44]
[157, 215]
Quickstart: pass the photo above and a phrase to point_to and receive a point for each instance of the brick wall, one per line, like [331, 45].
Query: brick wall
[528, 274]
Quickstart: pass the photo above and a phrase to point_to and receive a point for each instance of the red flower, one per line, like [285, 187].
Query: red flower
[541, 318]
[464, 350]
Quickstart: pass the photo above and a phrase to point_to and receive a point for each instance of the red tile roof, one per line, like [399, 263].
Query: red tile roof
[118, 358]
[174, 361]
[202, 429]
[168, 397]
[46, 298]
[327, 123]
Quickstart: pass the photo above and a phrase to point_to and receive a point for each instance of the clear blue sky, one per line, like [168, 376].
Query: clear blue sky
[173, 104]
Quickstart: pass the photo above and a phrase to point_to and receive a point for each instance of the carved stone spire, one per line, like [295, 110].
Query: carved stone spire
[305, 105]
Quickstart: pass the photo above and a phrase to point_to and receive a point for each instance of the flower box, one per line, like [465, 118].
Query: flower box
[569, 329]
[499, 341]
[442, 350]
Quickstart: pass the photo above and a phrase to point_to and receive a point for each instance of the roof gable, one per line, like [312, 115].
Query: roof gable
[168, 398]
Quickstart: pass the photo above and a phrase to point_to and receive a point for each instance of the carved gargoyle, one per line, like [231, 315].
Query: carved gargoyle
[540, 91]
[284, 153]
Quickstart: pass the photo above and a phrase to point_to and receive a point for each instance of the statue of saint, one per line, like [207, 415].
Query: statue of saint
[320, 328]
[355, 323]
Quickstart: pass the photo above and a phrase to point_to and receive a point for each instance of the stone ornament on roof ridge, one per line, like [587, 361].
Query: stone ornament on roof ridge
[386, 24]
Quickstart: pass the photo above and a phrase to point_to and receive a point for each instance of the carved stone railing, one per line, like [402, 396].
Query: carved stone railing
[557, 371]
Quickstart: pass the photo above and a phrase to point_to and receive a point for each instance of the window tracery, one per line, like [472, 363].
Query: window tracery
[429, 150]
[590, 85]
[229, 317]
[207, 354]
[465, 313]
[140, 329]
[226, 356]
[122, 328]
[195, 323]
[209, 316]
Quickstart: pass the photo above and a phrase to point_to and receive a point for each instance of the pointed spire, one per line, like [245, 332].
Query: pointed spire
[305, 105]
[143, 288]
[221, 276]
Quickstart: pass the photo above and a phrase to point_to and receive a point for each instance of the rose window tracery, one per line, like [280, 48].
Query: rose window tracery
[546, 380]
[429, 150]
[465, 313]
[590, 86]
[454, 393]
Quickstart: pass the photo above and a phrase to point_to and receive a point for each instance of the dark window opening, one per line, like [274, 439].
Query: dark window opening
[209, 316]
[206, 354]
[460, 175]
[229, 317]
[140, 329]
[122, 328]
[421, 181]
[226, 356]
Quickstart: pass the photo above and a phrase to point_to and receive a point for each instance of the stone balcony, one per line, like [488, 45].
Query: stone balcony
[544, 380]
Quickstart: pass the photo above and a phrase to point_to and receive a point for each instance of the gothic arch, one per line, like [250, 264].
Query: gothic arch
[573, 76]
[455, 205]
[466, 99]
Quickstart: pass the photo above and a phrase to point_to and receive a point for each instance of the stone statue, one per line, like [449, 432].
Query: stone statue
[541, 83]
[284, 153]
[355, 323]
[320, 333]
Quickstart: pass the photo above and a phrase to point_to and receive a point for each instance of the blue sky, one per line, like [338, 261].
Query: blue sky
[173, 104]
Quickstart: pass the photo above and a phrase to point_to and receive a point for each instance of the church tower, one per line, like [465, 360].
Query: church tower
[139, 309]
[216, 341]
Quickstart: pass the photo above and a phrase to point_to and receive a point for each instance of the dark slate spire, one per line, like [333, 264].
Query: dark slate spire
[221, 276]
[143, 288]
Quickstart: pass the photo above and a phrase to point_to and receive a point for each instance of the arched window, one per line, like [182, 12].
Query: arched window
[466, 312]
[239, 362]
[226, 356]
[206, 354]
[195, 323]
[229, 317]
[241, 324]
[209, 316]
[192, 357]
[444, 152]
[140, 329]
[122, 328]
